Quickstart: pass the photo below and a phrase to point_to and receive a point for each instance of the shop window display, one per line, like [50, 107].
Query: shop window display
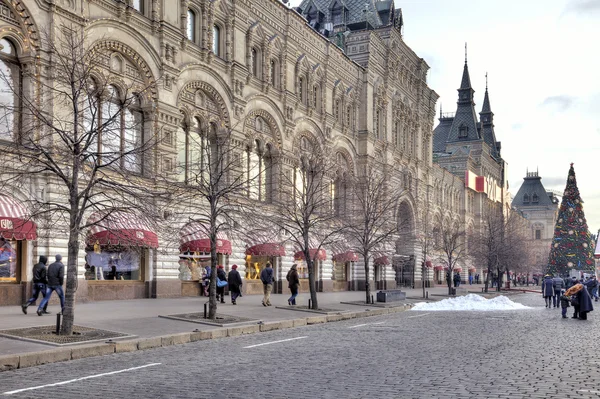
[340, 270]
[255, 265]
[123, 264]
[8, 260]
[192, 265]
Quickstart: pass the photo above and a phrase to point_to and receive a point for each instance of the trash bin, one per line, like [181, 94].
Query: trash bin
[452, 291]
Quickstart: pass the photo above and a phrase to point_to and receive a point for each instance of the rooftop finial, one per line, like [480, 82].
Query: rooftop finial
[486, 81]
[465, 52]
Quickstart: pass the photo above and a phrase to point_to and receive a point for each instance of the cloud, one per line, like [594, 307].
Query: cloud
[558, 103]
[583, 6]
[516, 126]
[554, 181]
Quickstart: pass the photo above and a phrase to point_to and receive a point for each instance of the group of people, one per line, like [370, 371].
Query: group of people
[234, 281]
[45, 281]
[570, 292]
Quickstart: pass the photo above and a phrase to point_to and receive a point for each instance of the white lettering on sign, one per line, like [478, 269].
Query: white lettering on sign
[6, 224]
[139, 234]
[219, 243]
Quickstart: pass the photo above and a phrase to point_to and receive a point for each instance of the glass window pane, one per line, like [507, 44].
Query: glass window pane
[137, 5]
[7, 47]
[113, 265]
[216, 40]
[8, 261]
[111, 127]
[191, 25]
[132, 141]
[7, 99]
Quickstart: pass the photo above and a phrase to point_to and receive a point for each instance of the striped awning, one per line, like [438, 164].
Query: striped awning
[321, 254]
[458, 269]
[193, 237]
[439, 268]
[382, 261]
[347, 256]
[120, 228]
[14, 221]
[266, 249]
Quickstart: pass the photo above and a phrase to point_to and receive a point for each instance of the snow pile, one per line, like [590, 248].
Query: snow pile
[471, 302]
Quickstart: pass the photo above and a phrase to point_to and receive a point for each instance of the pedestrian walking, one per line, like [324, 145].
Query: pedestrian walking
[470, 279]
[206, 279]
[559, 284]
[39, 284]
[235, 284]
[565, 302]
[56, 277]
[221, 283]
[266, 276]
[592, 287]
[548, 289]
[293, 283]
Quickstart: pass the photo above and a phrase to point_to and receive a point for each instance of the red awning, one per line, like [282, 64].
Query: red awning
[382, 261]
[193, 239]
[428, 264]
[320, 255]
[348, 256]
[472, 269]
[14, 223]
[120, 228]
[458, 269]
[438, 268]
[266, 249]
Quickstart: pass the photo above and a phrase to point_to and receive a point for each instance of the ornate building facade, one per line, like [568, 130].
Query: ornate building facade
[328, 72]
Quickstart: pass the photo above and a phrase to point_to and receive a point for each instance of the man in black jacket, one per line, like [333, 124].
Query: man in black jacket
[39, 283]
[56, 276]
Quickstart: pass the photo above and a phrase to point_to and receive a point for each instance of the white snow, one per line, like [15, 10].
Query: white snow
[471, 302]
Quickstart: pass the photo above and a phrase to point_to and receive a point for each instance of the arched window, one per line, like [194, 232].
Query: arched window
[377, 126]
[217, 40]
[256, 67]
[258, 171]
[274, 73]
[269, 183]
[191, 25]
[316, 98]
[534, 198]
[10, 84]
[349, 118]
[526, 199]
[121, 128]
[302, 90]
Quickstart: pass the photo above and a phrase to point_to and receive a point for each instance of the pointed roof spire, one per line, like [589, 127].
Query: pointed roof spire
[486, 99]
[466, 80]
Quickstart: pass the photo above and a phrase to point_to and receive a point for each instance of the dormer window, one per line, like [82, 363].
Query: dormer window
[463, 131]
[535, 199]
[526, 199]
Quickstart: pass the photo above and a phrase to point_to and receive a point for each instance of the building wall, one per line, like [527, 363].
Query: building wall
[378, 72]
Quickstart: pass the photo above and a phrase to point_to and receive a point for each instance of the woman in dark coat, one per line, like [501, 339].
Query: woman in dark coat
[294, 283]
[235, 283]
[223, 277]
[548, 290]
[582, 301]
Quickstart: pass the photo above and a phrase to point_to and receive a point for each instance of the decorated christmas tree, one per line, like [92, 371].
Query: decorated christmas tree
[572, 243]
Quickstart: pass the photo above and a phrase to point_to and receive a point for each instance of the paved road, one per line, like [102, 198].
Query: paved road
[405, 355]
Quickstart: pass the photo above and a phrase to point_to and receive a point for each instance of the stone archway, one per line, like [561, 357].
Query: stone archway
[405, 259]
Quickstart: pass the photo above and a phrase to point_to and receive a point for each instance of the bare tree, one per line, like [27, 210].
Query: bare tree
[451, 243]
[425, 238]
[217, 181]
[305, 211]
[81, 137]
[501, 243]
[371, 226]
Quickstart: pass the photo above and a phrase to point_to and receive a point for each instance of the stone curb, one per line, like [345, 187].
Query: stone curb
[31, 359]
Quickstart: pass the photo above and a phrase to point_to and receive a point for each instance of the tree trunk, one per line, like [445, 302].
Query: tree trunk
[71, 288]
[212, 285]
[311, 282]
[423, 277]
[367, 285]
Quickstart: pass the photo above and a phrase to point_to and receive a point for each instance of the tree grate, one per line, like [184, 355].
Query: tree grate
[221, 320]
[45, 334]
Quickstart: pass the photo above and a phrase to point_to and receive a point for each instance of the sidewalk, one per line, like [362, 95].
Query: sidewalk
[140, 318]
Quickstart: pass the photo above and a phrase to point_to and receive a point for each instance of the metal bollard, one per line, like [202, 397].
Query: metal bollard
[58, 316]
[372, 301]
[310, 303]
[205, 310]
[426, 294]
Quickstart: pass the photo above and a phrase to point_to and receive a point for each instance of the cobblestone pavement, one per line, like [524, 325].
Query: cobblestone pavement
[519, 354]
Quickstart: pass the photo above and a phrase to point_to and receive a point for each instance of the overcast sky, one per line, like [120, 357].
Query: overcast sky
[543, 60]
